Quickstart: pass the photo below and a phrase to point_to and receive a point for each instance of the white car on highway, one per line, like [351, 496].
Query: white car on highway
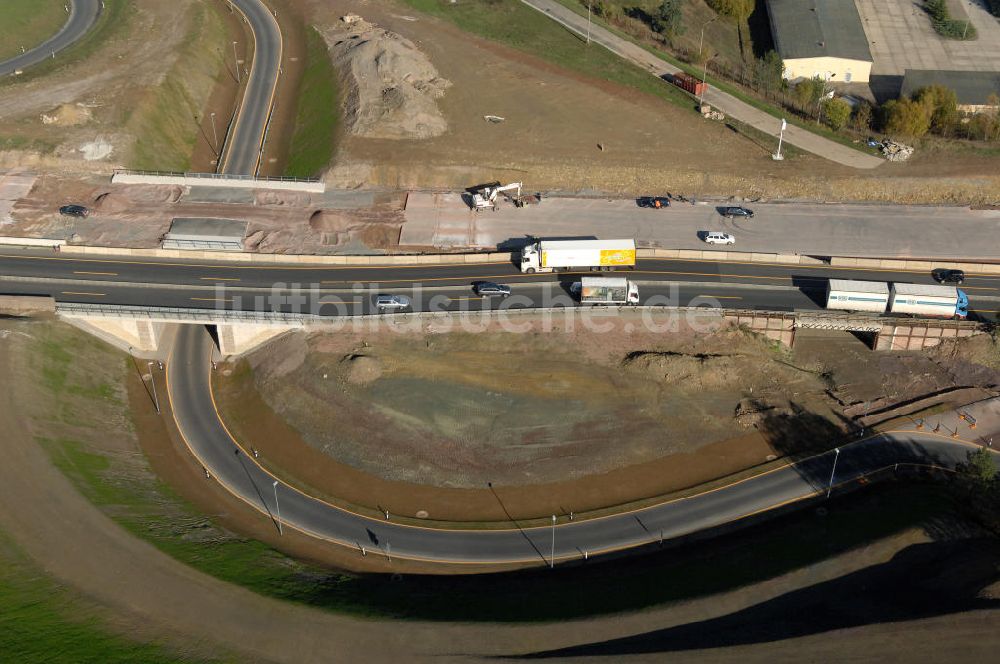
[715, 237]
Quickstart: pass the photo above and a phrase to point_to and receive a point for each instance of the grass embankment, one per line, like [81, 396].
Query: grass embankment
[27, 23]
[43, 622]
[111, 24]
[122, 485]
[515, 24]
[317, 115]
[164, 121]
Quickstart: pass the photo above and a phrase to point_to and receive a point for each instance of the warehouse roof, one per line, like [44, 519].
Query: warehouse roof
[818, 28]
[972, 88]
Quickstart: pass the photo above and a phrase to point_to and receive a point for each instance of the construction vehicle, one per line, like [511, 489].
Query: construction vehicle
[608, 290]
[593, 255]
[488, 196]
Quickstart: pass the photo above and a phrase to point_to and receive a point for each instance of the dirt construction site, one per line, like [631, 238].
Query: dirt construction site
[587, 419]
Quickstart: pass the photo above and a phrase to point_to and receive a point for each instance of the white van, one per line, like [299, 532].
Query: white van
[715, 237]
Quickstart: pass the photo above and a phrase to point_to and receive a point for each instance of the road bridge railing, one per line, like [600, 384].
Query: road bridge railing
[190, 179]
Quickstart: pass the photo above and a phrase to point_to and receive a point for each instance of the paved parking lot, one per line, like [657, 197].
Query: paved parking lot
[901, 37]
[444, 220]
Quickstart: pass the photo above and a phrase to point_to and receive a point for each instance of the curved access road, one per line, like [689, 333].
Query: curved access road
[189, 389]
[245, 140]
[82, 16]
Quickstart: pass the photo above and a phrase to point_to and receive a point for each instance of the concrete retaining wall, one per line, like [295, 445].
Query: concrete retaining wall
[32, 242]
[229, 182]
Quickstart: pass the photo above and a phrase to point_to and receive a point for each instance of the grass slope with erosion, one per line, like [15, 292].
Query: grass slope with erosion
[28, 23]
[317, 113]
[78, 404]
[165, 120]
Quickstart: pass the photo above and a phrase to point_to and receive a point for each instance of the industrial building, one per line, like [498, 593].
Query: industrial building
[972, 88]
[820, 38]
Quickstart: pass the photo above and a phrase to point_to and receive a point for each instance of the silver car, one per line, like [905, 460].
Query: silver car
[391, 302]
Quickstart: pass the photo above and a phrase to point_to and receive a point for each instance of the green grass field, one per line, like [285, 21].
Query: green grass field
[515, 24]
[43, 622]
[28, 23]
[318, 113]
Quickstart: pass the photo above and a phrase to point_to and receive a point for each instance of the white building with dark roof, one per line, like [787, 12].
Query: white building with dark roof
[820, 38]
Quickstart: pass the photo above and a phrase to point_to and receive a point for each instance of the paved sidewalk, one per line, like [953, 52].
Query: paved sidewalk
[726, 103]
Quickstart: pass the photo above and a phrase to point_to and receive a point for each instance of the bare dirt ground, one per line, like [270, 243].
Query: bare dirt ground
[146, 594]
[576, 420]
[555, 119]
[139, 215]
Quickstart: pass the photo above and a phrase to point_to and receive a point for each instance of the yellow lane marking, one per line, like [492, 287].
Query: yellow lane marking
[66, 292]
[219, 278]
[103, 274]
[985, 311]
[960, 287]
[212, 299]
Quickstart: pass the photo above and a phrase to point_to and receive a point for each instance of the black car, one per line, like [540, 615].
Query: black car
[490, 289]
[656, 202]
[945, 276]
[737, 211]
[74, 211]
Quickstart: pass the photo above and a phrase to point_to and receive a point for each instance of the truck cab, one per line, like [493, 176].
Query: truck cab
[962, 305]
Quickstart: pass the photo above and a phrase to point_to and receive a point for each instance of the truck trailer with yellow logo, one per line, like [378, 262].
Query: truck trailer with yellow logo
[578, 255]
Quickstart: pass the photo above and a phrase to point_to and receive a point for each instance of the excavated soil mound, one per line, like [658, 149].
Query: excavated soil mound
[392, 86]
[363, 369]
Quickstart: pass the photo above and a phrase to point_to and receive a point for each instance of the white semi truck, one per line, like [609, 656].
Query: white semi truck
[880, 297]
[552, 255]
[608, 290]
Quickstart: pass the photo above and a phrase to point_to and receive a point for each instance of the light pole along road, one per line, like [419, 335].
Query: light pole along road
[82, 16]
[189, 389]
[245, 140]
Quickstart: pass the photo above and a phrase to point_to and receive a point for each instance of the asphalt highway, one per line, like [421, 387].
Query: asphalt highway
[193, 284]
[189, 387]
[246, 137]
[83, 14]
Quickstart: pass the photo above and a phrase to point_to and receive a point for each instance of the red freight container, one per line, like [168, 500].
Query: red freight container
[689, 83]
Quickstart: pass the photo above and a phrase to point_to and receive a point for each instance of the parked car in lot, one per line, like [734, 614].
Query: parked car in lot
[656, 202]
[946, 276]
[734, 211]
[391, 302]
[490, 289]
[74, 211]
[715, 237]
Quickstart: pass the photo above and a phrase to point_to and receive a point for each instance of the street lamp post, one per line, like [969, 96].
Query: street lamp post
[215, 135]
[588, 21]
[552, 557]
[701, 39]
[277, 507]
[152, 380]
[836, 456]
[236, 60]
[704, 85]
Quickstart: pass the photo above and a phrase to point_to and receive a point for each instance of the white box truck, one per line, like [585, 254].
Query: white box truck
[608, 290]
[552, 255]
[929, 300]
[851, 295]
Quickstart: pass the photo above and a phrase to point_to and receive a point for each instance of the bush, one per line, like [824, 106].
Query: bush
[941, 104]
[809, 91]
[862, 120]
[667, 19]
[905, 117]
[836, 113]
[738, 9]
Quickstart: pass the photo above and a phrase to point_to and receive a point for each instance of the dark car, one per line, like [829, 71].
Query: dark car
[737, 211]
[656, 202]
[490, 289]
[74, 211]
[944, 276]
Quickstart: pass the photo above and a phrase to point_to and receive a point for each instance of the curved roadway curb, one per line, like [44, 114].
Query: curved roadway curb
[189, 391]
[83, 15]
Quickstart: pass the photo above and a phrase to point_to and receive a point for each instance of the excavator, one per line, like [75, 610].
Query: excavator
[487, 196]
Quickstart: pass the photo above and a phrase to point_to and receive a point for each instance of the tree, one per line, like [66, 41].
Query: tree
[738, 9]
[862, 120]
[941, 105]
[809, 91]
[980, 468]
[905, 117]
[836, 113]
[667, 19]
